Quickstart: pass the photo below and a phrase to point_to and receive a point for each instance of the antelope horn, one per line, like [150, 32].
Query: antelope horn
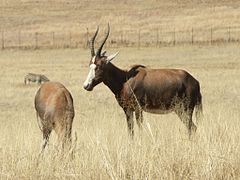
[104, 40]
[92, 42]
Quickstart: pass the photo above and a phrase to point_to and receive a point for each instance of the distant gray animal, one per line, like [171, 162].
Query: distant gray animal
[54, 106]
[35, 78]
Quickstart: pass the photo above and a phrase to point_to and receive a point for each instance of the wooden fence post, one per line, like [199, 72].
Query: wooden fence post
[160, 39]
[88, 42]
[174, 37]
[3, 45]
[192, 37]
[121, 38]
[229, 34]
[139, 38]
[211, 36]
[70, 39]
[157, 42]
[36, 40]
[19, 39]
[53, 39]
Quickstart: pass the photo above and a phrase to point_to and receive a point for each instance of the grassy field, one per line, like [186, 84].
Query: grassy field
[69, 20]
[104, 150]
[76, 15]
[103, 147]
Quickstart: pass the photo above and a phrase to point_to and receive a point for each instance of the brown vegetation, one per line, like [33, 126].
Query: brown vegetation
[103, 148]
[66, 23]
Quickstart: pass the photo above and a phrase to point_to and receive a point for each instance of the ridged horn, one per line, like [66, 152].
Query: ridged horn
[103, 42]
[92, 42]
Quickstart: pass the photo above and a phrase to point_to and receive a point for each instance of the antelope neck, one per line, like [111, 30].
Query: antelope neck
[114, 78]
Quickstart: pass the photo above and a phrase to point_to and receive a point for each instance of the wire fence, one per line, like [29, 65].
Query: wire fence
[132, 38]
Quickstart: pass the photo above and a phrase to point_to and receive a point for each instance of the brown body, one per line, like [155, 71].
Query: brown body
[158, 91]
[54, 107]
[141, 89]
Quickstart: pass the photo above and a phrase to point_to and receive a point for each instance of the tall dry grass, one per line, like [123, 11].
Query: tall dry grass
[103, 149]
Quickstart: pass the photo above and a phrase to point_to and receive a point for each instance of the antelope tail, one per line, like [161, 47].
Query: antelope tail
[38, 122]
[69, 114]
[198, 109]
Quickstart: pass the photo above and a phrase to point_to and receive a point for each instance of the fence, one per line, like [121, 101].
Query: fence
[131, 38]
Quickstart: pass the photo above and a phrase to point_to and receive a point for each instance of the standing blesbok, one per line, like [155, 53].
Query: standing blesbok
[54, 106]
[141, 89]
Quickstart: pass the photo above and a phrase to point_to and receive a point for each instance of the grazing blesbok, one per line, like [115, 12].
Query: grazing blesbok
[141, 89]
[54, 106]
[35, 78]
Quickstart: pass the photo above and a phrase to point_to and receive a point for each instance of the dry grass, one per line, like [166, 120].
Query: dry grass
[76, 15]
[126, 17]
[104, 150]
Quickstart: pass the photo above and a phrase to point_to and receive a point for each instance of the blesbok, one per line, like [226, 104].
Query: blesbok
[141, 89]
[35, 78]
[54, 106]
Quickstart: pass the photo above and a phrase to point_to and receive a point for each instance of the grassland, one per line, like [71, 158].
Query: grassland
[104, 150]
[76, 15]
[70, 20]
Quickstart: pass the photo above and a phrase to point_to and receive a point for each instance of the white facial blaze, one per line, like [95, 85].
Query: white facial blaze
[93, 59]
[91, 75]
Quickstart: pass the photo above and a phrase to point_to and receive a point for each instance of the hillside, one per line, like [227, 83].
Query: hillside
[55, 15]
[70, 19]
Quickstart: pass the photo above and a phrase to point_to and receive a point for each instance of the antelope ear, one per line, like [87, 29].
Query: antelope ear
[111, 57]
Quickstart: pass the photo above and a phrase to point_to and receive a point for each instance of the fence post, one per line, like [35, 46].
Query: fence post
[229, 34]
[36, 40]
[139, 38]
[160, 40]
[157, 42]
[192, 37]
[3, 40]
[87, 36]
[121, 38]
[211, 36]
[19, 39]
[53, 39]
[174, 37]
[70, 39]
